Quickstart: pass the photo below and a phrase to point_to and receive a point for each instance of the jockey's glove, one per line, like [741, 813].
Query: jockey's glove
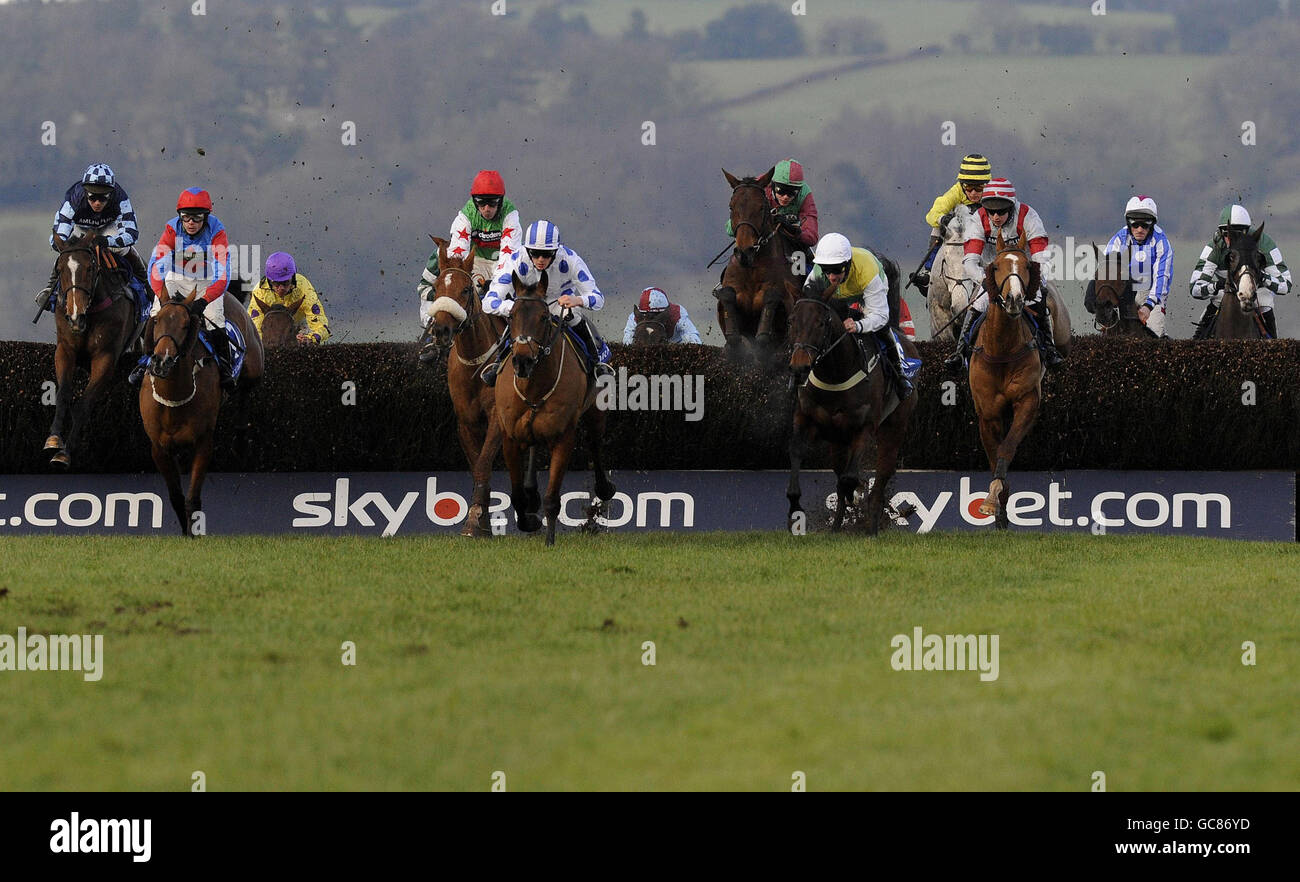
[197, 306]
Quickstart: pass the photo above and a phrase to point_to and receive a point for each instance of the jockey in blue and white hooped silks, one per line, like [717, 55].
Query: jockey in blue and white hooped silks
[653, 300]
[193, 251]
[567, 276]
[98, 206]
[856, 276]
[1151, 262]
[1000, 212]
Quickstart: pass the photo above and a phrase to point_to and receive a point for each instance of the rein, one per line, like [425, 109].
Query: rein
[998, 297]
[471, 315]
[818, 353]
[763, 237]
[183, 351]
[542, 350]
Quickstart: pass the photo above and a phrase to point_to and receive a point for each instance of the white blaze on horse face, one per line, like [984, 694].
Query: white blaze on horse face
[1015, 291]
[1246, 290]
[73, 268]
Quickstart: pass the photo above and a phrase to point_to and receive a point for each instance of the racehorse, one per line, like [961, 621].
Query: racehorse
[181, 395]
[759, 286]
[947, 295]
[95, 322]
[542, 393]
[278, 324]
[460, 325]
[651, 327]
[1114, 309]
[1006, 370]
[842, 402]
[1237, 318]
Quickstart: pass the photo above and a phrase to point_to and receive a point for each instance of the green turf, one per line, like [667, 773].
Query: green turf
[1119, 654]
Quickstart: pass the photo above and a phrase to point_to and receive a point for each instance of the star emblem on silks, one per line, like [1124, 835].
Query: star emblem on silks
[457, 251]
[462, 234]
[506, 249]
[507, 231]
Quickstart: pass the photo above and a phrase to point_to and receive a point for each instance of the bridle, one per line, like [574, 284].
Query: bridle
[764, 234]
[1232, 284]
[94, 277]
[829, 321]
[541, 349]
[183, 351]
[998, 295]
[470, 313]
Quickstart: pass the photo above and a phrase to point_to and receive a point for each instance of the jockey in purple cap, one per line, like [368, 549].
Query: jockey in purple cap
[284, 286]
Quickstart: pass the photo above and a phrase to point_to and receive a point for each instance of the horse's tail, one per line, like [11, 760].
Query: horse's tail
[895, 293]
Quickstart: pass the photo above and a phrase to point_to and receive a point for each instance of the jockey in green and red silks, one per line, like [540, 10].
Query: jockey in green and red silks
[791, 204]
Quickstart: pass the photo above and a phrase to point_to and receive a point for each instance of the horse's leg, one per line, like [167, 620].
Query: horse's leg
[991, 436]
[594, 422]
[525, 520]
[800, 440]
[772, 297]
[65, 367]
[846, 484]
[198, 471]
[889, 441]
[534, 500]
[561, 450]
[1021, 422]
[102, 368]
[166, 466]
[481, 466]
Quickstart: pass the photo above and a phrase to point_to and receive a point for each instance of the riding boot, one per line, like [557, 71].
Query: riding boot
[587, 332]
[49, 287]
[428, 347]
[1052, 357]
[490, 372]
[955, 362]
[895, 357]
[1207, 321]
[221, 350]
[1270, 322]
[136, 376]
[136, 264]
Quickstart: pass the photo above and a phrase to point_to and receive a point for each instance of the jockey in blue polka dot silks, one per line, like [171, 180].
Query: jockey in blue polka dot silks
[567, 276]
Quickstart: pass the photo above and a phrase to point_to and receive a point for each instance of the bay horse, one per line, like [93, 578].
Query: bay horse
[1238, 318]
[542, 394]
[843, 404]
[1006, 369]
[651, 328]
[1114, 306]
[947, 295]
[759, 286]
[181, 395]
[473, 337]
[279, 323]
[95, 322]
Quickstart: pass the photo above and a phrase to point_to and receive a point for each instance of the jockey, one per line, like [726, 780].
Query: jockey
[972, 175]
[284, 286]
[855, 274]
[97, 205]
[488, 225]
[567, 274]
[193, 249]
[792, 207]
[1209, 274]
[1151, 263]
[1020, 225]
[653, 300]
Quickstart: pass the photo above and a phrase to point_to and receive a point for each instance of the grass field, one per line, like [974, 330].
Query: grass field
[1118, 654]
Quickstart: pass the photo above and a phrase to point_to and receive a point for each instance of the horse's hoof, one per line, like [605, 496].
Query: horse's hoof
[61, 460]
[606, 493]
[529, 523]
[473, 529]
[54, 442]
[988, 509]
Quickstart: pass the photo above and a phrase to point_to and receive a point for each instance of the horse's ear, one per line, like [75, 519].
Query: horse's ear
[442, 248]
[990, 284]
[1258, 232]
[541, 285]
[767, 178]
[59, 242]
[260, 305]
[517, 283]
[194, 292]
[1002, 245]
[731, 179]
[1035, 277]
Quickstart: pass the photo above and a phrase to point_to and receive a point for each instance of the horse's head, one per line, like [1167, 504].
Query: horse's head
[455, 296]
[751, 219]
[1244, 265]
[651, 327]
[816, 327]
[1011, 277]
[278, 325]
[1110, 285]
[532, 327]
[78, 271]
[174, 334]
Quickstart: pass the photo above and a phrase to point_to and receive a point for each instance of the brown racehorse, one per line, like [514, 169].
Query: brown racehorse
[651, 328]
[843, 404]
[1006, 371]
[181, 395]
[460, 324]
[1238, 318]
[758, 286]
[278, 324]
[95, 323]
[542, 393]
[1116, 313]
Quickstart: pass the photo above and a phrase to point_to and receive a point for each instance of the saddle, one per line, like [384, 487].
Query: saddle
[238, 347]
